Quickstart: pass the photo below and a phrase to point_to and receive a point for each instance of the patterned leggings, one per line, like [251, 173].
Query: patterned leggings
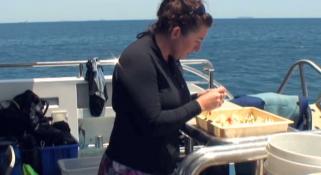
[110, 167]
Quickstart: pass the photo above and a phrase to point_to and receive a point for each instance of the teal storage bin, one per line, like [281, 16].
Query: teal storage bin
[49, 157]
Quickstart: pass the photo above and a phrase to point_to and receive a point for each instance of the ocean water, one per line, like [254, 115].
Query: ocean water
[249, 55]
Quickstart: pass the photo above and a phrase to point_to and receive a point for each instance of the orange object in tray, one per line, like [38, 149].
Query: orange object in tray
[247, 121]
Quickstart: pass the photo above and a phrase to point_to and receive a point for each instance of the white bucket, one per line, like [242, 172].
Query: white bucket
[293, 153]
[60, 115]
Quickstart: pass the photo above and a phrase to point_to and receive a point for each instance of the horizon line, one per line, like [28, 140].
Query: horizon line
[96, 20]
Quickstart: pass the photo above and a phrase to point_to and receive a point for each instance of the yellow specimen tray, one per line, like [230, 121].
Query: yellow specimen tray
[246, 121]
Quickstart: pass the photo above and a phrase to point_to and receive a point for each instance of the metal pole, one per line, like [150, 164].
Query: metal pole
[210, 78]
[81, 69]
[303, 82]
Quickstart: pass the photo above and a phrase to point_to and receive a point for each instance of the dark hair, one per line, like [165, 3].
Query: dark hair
[189, 15]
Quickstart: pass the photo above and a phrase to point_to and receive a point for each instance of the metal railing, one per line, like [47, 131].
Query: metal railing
[76, 63]
[206, 74]
[243, 150]
[300, 64]
[206, 157]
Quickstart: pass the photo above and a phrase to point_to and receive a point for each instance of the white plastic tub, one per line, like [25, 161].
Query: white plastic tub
[278, 166]
[293, 153]
[299, 147]
[79, 166]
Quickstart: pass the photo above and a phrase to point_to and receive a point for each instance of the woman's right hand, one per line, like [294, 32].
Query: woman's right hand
[212, 98]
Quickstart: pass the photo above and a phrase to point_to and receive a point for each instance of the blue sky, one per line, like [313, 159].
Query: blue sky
[75, 10]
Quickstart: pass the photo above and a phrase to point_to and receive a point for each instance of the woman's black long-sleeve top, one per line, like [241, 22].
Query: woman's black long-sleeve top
[152, 102]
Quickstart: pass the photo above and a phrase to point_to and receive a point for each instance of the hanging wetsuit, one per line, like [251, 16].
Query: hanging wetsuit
[96, 86]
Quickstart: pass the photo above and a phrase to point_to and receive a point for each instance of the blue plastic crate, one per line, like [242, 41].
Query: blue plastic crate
[49, 157]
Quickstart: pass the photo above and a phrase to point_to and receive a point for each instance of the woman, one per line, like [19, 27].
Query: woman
[150, 96]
